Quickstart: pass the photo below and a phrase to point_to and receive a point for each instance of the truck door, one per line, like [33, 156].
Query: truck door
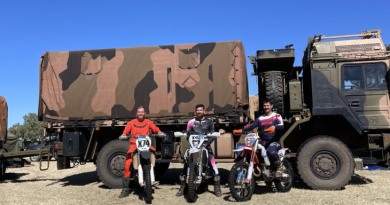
[364, 91]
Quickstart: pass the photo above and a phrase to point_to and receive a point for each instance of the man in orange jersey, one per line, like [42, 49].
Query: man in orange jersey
[137, 127]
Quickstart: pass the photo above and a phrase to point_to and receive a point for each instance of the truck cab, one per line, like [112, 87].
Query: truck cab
[335, 106]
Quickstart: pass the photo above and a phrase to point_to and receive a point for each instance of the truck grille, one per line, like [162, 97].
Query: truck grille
[359, 47]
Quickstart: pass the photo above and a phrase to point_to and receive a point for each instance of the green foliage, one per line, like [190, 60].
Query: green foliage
[31, 128]
[388, 47]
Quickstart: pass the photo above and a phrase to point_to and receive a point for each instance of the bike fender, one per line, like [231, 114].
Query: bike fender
[145, 155]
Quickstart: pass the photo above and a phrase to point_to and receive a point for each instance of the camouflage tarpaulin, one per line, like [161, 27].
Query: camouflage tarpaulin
[3, 119]
[167, 80]
[12, 143]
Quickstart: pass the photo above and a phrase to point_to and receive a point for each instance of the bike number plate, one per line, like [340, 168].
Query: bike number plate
[196, 141]
[143, 143]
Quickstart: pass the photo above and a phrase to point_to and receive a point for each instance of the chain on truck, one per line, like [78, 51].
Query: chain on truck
[336, 110]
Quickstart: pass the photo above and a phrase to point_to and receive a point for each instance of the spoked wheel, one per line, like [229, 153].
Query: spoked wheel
[239, 188]
[192, 195]
[148, 184]
[285, 183]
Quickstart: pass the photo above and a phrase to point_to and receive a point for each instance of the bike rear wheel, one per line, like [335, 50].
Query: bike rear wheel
[285, 183]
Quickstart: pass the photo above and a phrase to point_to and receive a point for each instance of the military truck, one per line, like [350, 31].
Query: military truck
[11, 154]
[338, 108]
[87, 98]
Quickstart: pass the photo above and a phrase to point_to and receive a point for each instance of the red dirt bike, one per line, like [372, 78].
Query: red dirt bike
[249, 168]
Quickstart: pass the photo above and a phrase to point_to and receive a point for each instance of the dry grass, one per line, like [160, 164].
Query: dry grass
[80, 185]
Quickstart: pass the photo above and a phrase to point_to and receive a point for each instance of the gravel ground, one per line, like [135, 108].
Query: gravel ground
[29, 185]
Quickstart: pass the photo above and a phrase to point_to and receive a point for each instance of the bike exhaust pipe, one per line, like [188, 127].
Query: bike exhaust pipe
[254, 173]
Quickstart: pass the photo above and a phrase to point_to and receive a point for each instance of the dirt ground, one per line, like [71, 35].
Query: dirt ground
[29, 185]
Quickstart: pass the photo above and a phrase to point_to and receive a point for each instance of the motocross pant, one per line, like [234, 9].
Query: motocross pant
[211, 162]
[273, 150]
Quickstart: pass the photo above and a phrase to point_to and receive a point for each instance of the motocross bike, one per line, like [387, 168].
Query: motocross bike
[142, 168]
[249, 167]
[197, 158]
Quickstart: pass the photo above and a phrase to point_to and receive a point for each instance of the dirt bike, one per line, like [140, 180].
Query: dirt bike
[142, 168]
[197, 158]
[249, 168]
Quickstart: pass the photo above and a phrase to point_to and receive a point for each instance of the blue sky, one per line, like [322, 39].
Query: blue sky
[28, 28]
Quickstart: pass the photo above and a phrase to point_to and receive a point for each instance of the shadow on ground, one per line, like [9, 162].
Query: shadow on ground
[80, 179]
[360, 180]
[12, 177]
[355, 180]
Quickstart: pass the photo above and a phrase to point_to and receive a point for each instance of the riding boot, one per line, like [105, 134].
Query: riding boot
[217, 185]
[182, 186]
[278, 166]
[125, 187]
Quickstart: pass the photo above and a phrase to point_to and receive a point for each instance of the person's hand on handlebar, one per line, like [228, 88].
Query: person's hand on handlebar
[124, 137]
[161, 134]
[237, 132]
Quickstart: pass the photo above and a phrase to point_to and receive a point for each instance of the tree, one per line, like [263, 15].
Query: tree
[388, 47]
[17, 129]
[31, 128]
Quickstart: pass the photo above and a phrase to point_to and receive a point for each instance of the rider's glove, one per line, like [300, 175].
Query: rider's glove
[237, 132]
[161, 134]
[270, 130]
[123, 137]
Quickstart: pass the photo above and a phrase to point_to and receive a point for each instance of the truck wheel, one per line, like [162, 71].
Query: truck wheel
[110, 164]
[273, 90]
[34, 158]
[325, 163]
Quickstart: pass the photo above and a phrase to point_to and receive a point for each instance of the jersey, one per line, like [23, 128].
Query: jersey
[137, 128]
[202, 127]
[265, 121]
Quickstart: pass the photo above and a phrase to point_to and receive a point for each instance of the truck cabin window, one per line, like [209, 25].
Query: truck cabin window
[364, 76]
[352, 77]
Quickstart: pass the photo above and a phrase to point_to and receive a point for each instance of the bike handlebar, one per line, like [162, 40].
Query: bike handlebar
[127, 137]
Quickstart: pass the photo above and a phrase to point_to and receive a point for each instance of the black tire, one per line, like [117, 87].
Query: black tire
[160, 169]
[233, 174]
[148, 184]
[34, 158]
[325, 163]
[274, 90]
[192, 195]
[285, 184]
[3, 169]
[110, 163]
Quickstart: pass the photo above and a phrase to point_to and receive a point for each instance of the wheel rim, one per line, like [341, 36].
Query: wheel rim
[116, 164]
[34, 158]
[325, 164]
[241, 188]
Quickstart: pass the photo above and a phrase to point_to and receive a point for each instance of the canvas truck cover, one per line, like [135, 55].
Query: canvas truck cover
[166, 80]
[3, 119]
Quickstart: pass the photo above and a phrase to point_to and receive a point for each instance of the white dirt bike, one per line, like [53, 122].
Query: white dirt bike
[196, 158]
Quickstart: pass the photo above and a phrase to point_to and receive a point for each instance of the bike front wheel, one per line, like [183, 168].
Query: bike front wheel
[240, 189]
